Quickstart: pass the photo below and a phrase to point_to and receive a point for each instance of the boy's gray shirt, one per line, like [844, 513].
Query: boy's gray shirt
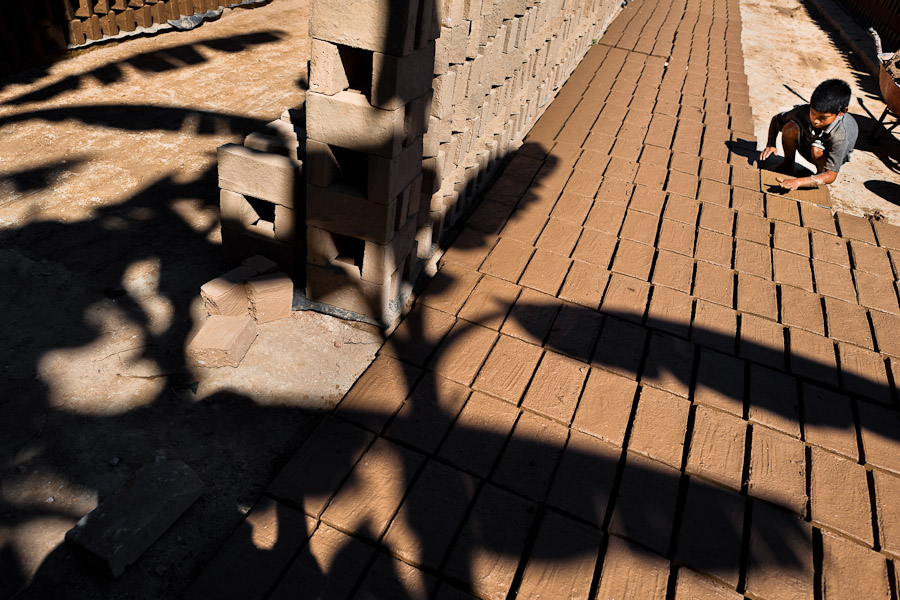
[838, 138]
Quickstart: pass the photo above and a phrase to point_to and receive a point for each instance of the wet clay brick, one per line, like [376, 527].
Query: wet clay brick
[792, 238]
[757, 296]
[682, 209]
[669, 364]
[714, 192]
[847, 322]
[595, 247]
[714, 247]
[673, 270]
[685, 163]
[762, 341]
[677, 237]
[489, 302]
[276, 532]
[717, 218]
[670, 311]
[782, 209]
[559, 236]
[424, 527]
[531, 316]
[605, 407]
[391, 578]
[857, 228]
[863, 373]
[634, 259]
[487, 551]
[880, 432]
[651, 174]
[877, 292]
[374, 489]
[851, 571]
[870, 259]
[659, 426]
[812, 356]
[717, 447]
[640, 227]
[479, 434]
[887, 488]
[575, 331]
[572, 208]
[583, 482]
[429, 413]
[508, 369]
[469, 249]
[773, 400]
[888, 234]
[508, 259]
[329, 551]
[830, 248]
[709, 539]
[648, 200]
[562, 560]
[683, 184]
[777, 469]
[449, 288]
[720, 382]
[462, 352]
[584, 284]
[714, 283]
[816, 217]
[714, 326]
[625, 297]
[839, 496]
[620, 347]
[630, 572]
[745, 177]
[524, 225]
[753, 258]
[546, 272]
[752, 228]
[802, 309]
[644, 510]
[715, 170]
[886, 328]
[781, 555]
[378, 393]
[420, 332]
[691, 586]
[792, 269]
[312, 475]
[530, 457]
[556, 387]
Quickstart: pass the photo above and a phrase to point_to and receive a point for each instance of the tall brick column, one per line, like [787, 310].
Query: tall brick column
[367, 111]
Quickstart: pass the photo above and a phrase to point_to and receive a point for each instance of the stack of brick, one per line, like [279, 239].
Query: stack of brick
[498, 65]
[367, 111]
[262, 194]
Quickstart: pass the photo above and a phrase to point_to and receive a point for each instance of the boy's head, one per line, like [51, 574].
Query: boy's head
[830, 99]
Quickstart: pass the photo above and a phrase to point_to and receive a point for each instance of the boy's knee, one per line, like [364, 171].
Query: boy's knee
[790, 130]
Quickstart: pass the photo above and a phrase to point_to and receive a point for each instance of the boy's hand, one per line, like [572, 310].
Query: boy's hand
[789, 183]
[769, 151]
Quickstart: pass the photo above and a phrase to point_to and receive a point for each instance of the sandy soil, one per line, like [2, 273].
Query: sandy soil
[788, 51]
[108, 226]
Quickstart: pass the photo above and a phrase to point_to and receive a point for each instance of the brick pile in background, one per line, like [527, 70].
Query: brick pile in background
[32, 29]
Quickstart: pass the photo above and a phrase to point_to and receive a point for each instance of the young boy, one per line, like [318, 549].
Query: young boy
[821, 131]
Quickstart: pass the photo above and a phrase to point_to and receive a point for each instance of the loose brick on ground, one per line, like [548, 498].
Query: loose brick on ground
[880, 432]
[572, 208]
[802, 309]
[633, 259]
[595, 247]
[863, 373]
[717, 218]
[888, 234]
[762, 341]
[556, 387]
[546, 271]
[714, 326]
[429, 413]
[714, 283]
[887, 490]
[717, 447]
[524, 226]
[584, 284]
[486, 554]
[792, 238]
[559, 236]
[792, 269]
[644, 509]
[773, 400]
[648, 199]
[479, 434]
[758, 296]
[626, 297]
[886, 327]
[508, 369]
[780, 562]
[816, 217]
[857, 228]
[712, 525]
[605, 407]
[682, 209]
[748, 202]
[676, 236]
[714, 247]
[877, 292]
[839, 496]
[830, 248]
[752, 228]
[871, 259]
[777, 469]
[852, 571]
[640, 227]
[659, 426]
[583, 482]
[834, 281]
[782, 209]
[507, 260]
[673, 270]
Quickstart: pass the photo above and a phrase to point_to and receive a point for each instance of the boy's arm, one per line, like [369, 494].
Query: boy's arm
[823, 178]
[770, 149]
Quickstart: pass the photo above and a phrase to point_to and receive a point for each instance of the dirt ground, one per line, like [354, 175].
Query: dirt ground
[108, 227]
[788, 50]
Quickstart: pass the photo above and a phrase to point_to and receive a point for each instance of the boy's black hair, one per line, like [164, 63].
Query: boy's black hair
[832, 96]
